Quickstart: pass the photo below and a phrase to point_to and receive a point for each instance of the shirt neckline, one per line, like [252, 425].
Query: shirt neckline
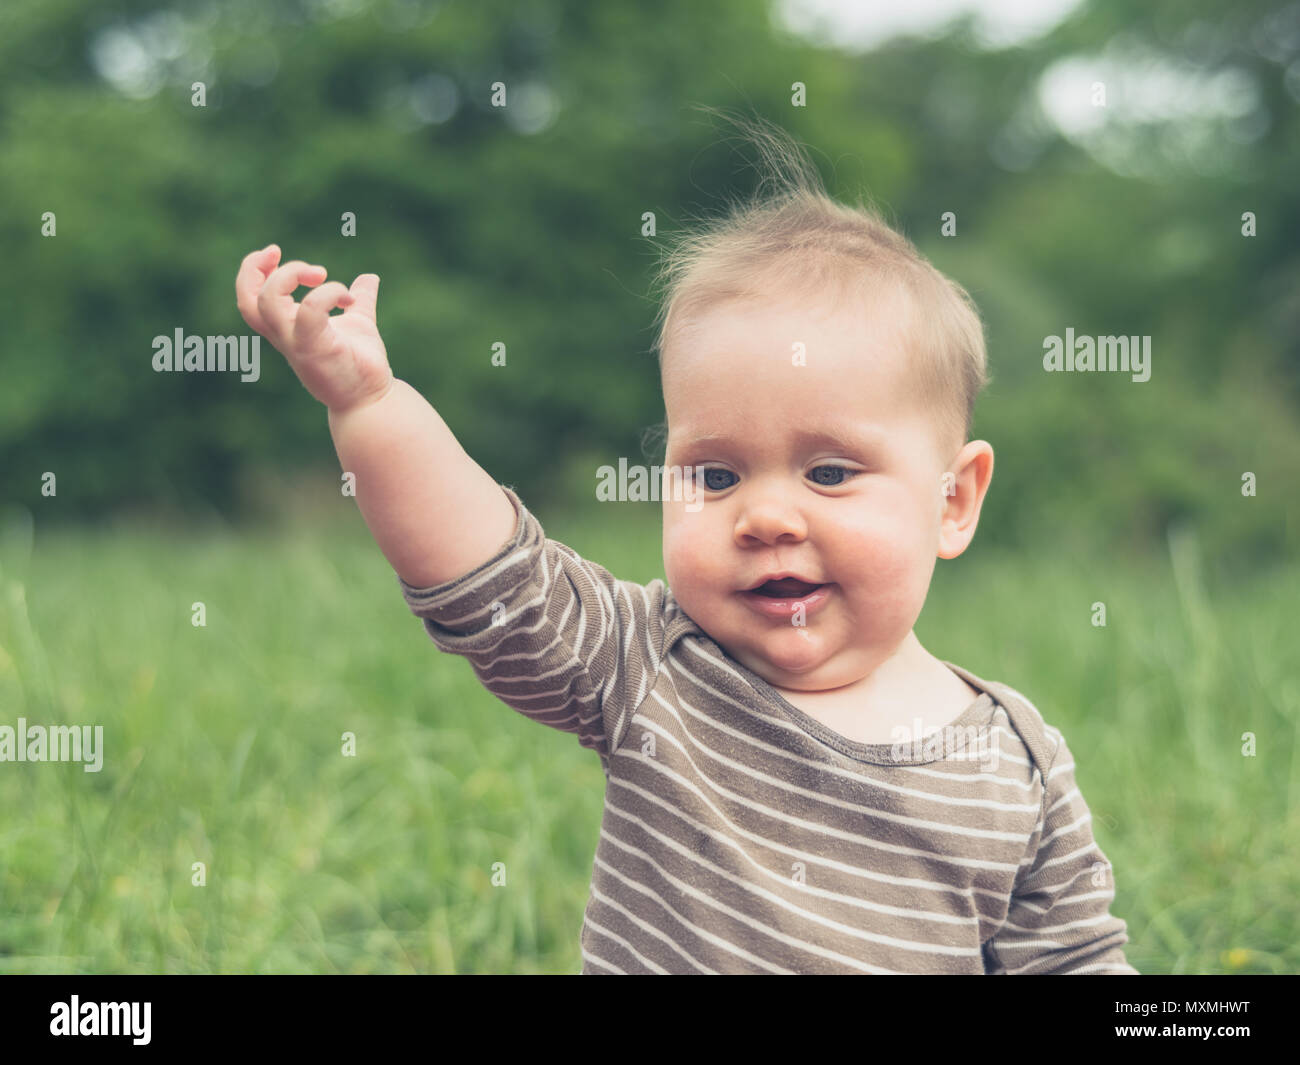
[910, 752]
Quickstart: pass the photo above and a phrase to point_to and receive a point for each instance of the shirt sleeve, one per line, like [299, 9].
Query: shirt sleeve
[552, 635]
[1059, 919]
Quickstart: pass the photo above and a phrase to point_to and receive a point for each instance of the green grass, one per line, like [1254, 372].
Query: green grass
[223, 747]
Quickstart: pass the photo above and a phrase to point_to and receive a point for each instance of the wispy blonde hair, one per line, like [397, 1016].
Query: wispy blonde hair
[790, 237]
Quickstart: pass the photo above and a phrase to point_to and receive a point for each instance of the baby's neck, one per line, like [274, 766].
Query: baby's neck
[909, 685]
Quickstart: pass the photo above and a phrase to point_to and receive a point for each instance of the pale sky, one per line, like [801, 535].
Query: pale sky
[863, 24]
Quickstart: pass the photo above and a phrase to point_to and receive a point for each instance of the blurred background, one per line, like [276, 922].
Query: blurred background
[126, 212]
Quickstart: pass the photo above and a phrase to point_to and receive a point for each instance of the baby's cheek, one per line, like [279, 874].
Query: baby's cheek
[688, 564]
[885, 558]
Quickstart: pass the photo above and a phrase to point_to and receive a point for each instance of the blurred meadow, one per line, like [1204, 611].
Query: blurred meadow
[523, 225]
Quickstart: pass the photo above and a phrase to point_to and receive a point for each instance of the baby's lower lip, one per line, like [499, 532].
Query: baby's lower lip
[785, 608]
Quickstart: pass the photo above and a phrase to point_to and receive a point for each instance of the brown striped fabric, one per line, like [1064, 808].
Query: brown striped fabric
[740, 835]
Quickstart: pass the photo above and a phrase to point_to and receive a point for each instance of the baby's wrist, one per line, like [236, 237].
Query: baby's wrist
[371, 400]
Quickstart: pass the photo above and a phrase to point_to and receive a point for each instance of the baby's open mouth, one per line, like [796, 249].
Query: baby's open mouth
[787, 588]
[787, 598]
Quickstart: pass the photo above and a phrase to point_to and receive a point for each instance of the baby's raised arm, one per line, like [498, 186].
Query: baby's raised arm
[435, 513]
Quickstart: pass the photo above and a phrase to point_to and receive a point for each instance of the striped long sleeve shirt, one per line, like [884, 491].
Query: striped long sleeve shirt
[740, 835]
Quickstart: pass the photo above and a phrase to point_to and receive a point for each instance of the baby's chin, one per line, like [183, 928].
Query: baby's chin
[790, 658]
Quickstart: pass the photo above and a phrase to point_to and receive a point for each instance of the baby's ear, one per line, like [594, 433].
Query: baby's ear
[964, 487]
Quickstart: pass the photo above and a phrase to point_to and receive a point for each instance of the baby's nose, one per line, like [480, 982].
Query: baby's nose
[769, 520]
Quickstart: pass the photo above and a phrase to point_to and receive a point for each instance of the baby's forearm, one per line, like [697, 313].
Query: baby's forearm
[435, 513]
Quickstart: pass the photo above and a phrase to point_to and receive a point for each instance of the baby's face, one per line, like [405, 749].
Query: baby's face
[831, 471]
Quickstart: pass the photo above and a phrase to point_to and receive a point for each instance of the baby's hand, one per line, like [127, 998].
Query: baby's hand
[340, 360]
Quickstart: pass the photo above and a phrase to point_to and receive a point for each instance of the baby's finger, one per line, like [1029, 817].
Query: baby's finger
[365, 290]
[275, 300]
[253, 271]
[313, 312]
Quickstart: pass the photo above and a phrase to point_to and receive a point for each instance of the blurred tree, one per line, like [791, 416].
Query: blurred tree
[521, 225]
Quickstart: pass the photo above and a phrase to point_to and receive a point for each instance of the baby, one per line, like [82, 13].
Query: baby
[793, 783]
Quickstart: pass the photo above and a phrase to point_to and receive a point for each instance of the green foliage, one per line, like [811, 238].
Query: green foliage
[484, 232]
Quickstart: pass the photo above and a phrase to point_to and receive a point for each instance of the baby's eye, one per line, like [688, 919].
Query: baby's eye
[711, 481]
[831, 475]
